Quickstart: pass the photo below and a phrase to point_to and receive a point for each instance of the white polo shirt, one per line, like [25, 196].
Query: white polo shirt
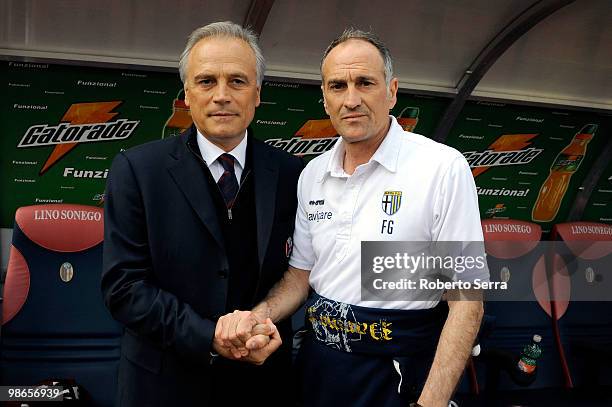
[337, 211]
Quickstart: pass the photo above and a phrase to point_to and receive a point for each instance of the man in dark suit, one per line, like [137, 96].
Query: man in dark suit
[197, 226]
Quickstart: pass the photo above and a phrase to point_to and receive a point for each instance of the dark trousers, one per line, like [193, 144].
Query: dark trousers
[235, 383]
[332, 378]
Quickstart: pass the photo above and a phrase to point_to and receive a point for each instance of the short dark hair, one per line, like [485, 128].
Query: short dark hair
[356, 34]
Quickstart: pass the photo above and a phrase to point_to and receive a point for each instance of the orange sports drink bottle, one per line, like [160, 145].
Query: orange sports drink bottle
[408, 118]
[180, 120]
[565, 165]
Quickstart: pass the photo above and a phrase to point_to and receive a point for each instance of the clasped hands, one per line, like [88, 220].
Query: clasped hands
[246, 336]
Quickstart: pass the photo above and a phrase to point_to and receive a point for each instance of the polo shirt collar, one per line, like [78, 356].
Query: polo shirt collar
[386, 155]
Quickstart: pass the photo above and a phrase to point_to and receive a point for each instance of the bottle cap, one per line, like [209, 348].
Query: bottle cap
[537, 338]
[410, 112]
[589, 129]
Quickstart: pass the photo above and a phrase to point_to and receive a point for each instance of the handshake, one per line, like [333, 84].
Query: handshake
[247, 336]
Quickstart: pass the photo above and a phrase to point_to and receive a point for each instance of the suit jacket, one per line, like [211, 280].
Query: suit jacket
[165, 273]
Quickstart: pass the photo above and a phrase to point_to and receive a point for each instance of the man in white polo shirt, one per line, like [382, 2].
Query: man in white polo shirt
[378, 183]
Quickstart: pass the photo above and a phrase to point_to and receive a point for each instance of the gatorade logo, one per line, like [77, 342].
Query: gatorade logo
[82, 123]
[318, 136]
[499, 208]
[64, 133]
[301, 146]
[508, 149]
[313, 138]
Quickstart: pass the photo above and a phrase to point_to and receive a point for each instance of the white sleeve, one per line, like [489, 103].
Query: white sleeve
[456, 214]
[457, 219]
[302, 256]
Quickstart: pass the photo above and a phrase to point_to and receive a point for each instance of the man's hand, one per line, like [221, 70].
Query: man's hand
[241, 331]
[454, 346]
[260, 338]
[261, 346]
[235, 329]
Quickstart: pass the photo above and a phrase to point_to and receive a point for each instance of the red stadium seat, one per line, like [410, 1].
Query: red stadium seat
[584, 255]
[515, 255]
[54, 323]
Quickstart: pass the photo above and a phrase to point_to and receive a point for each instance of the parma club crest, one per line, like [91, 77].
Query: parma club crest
[391, 201]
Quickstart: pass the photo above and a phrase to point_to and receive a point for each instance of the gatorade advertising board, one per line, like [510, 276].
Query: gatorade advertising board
[599, 207]
[528, 162]
[62, 125]
[291, 117]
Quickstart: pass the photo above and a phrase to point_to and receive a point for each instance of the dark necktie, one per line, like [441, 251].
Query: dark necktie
[228, 183]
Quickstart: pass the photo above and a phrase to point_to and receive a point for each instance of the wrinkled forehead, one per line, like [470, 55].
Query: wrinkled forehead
[353, 55]
[223, 49]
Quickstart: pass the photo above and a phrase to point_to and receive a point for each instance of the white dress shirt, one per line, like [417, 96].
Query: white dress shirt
[210, 154]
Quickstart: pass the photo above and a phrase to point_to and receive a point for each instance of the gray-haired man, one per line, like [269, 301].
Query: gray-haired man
[195, 227]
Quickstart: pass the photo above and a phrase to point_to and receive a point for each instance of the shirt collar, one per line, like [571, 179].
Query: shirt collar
[210, 152]
[386, 155]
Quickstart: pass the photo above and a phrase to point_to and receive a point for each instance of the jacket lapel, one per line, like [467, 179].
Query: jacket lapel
[187, 172]
[266, 178]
